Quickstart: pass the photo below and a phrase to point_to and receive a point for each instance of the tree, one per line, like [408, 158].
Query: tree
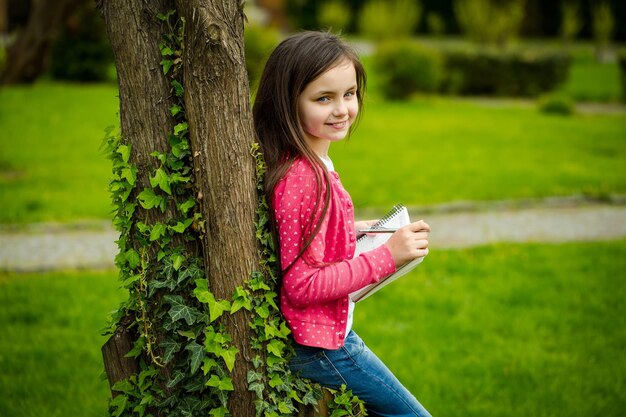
[185, 189]
[28, 56]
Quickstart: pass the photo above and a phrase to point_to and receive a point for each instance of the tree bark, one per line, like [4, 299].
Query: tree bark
[29, 56]
[221, 133]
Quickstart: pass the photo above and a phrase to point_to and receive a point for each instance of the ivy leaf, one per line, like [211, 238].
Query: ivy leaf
[184, 207]
[240, 300]
[218, 412]
[178, 88]
[148, 199]
[175, 109]
[276, 347]
[178, 376]
[181, 226]
[284, 408]
[130, 174]
[177, 260]
[166, 64]
[179, 310]
[229, 357]
[161, 179]
[262, 310]
[124, 151]
[181, 127]
[195, 356]
[158, 230]
[170, 347]
[216, 308]
[208, 364]
[258, 388]
[133, 259]
[222, 384]
[120, 402]
[275, 381]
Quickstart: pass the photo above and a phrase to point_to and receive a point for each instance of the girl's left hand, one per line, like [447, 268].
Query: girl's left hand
[363, 224]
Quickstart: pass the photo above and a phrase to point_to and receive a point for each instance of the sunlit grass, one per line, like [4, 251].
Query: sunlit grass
[507, 330]
[50, 360]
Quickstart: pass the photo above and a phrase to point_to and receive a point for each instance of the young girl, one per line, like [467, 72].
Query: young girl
[309, 97]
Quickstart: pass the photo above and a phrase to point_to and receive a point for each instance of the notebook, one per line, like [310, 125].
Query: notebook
[396, 218]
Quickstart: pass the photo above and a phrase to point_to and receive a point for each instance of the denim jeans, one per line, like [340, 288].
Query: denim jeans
[357, 367]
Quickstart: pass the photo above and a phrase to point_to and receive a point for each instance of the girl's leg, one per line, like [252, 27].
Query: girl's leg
[362, 372]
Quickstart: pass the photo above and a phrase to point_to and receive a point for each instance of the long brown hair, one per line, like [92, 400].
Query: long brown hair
[295, 62]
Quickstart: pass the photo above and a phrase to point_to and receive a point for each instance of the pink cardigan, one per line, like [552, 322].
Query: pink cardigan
[314, 292]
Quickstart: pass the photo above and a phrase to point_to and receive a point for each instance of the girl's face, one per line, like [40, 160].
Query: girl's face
[328, 106]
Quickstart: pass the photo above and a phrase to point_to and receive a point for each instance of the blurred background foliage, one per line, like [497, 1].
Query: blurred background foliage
[500, 330]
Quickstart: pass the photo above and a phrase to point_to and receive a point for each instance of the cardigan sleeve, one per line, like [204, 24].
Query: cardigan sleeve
[326, 271]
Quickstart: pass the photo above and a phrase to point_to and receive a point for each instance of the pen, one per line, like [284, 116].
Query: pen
[378, 230]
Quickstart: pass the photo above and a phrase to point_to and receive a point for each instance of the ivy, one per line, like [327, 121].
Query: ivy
[184, 352]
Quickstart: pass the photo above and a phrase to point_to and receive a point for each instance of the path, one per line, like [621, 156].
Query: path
[45, 247]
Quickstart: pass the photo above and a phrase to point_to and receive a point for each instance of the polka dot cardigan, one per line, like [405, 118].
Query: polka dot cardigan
[314, 292]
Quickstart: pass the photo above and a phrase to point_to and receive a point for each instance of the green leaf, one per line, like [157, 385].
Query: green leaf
[218, 412]
[162, 180]
[119, 403]
[182, 226]
[258, 388]
[177, 260]
[124, 151]
[158, 230]
[275, 381]
[123, 386]
[178, 376]
[166, 64]
[222, 384]
[179, 310]
[169, 348]
[130, 174]
[184, 207]
[178, 88]
[262, 310]
[276, 347]
[195, 356]
[148, 199]
[208, 364]
[229, 357]
[133, 258]
[181, 127]
[166, 51]
[175, 109]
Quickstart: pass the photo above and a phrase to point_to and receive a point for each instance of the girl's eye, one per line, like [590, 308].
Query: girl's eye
[323, 99]
[349, 94]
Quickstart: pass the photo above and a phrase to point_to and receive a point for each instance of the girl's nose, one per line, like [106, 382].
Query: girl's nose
[340, 109]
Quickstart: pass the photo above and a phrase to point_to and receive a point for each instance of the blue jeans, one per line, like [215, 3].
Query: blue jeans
[357, 367]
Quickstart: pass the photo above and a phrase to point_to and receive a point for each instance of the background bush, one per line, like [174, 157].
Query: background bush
[556, 104]
[259, 42]
[384, 19]
[82, 51]
[334, 15]
[406, 67]
[490, 21]
[475, 71]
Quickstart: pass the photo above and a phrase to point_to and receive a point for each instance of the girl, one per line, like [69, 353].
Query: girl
[309, 97]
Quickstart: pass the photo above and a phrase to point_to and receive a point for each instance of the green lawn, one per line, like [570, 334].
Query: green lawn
[426, 151]
[508, 330]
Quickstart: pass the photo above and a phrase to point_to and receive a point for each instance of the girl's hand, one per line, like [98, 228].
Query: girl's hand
[363, 224]
[409, 242]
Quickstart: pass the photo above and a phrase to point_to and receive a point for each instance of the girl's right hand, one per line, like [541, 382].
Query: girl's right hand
[409, 242]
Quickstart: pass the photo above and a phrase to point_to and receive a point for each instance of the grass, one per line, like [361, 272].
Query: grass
[51, 166]
[424, 151]
[508, 330]
[439, 150]
[50, 361]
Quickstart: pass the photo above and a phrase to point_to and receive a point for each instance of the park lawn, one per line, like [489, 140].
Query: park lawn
[506, 330]
[51, 165]
[424, 151]
[437, 150]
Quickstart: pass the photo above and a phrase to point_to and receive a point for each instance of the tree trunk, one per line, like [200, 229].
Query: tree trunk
[221, 132]
[217, 108]
[29, 55]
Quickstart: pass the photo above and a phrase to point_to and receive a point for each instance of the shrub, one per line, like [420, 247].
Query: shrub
[259, 42]
[334, 15]
[490, 21]
[556, 104]
[482, 71]
[381, 19]
[82, 51]
[603, 24]
[621, 60]
[405, 68]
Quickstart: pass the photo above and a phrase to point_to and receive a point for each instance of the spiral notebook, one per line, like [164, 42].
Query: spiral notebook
[396, 218]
